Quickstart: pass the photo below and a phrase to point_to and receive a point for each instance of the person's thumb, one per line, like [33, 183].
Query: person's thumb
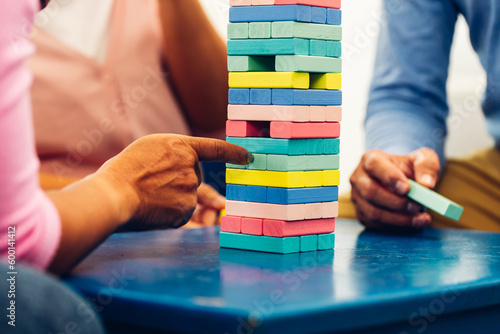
[426, 166]
[209, 197]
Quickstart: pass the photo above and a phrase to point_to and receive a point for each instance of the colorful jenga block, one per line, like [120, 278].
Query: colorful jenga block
[284, 107]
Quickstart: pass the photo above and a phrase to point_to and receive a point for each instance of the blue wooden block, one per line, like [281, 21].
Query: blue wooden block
[318, 48]
[334, 49]
[271, 145]
[302, 195]
[326, 241]
[315, 146]
[260, 243]
[331, 146]
[239, 96]
[268, 47]
[270, 13]
[333, 16]
[309, 97]
[256, 194]
[308, 243]
[318, 15]
[236, 192]
[260, 96]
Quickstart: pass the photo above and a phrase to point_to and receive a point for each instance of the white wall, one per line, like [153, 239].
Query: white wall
[361, 22]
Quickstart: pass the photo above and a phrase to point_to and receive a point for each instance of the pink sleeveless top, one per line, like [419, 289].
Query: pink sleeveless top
[86, 112]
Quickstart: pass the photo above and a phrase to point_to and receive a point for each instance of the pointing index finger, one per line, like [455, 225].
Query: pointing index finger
[209, 149]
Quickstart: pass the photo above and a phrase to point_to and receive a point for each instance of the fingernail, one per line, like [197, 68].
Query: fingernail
[427, 180]
[250, 158]
[413, 207]
[419, 221]
[401, 187]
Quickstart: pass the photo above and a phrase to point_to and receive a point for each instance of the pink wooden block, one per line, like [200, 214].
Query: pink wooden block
[333, 113]
[247, 129]
[317, 114]
[266, 210]
[317, 3]
[313, 210]
[262, 2]
[244, 112]
[330, 209]
[280, 228]
[251, 226]
[240, 2]
[305, 130]
[230, 224]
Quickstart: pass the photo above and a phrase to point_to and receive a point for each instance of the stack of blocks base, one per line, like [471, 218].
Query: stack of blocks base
[285, 107]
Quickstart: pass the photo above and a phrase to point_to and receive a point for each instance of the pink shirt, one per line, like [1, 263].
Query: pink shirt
[23, 205]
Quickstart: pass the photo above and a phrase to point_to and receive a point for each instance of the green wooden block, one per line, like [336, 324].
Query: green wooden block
[271, 145]
[260, 243]
[326, 241]
[333, 49]
[289, 29]
[308, 243]
[331, 146]
[237, 30]
[267, 47]
[259, 30]
[308, 64]
[259, 163]
[317, 48]
[315, 146]
[250, 63]
[434, 201]
[302, 162]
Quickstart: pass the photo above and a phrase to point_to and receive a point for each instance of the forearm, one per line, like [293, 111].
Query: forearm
[90, 211]
[196, 58]
[400, 127]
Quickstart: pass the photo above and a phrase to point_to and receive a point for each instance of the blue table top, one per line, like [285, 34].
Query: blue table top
[180, 280]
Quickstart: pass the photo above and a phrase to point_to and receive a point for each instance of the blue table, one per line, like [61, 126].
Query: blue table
[437, 281]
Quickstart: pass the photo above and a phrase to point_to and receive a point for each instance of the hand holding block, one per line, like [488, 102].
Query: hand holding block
[434, 201]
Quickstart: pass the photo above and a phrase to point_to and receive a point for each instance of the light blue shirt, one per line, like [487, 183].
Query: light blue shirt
[408, 107]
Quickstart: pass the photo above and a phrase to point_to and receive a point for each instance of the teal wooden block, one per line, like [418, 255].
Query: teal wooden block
[315, 146]
[302, 163]
[333, 49]
[308, 243]
[435, 201]
[259, 163]
[260, 243]
[331, 146]
[289, 29]
[317, 48]
[237, 30]
[308, 64]
[259, 30]
[267, 47]
[326, 241]
[250, 63]
[271, 145]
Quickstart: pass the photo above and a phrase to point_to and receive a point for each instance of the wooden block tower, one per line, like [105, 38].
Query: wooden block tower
[285, 107]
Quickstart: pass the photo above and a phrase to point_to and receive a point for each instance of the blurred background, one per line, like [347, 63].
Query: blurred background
[361, 23]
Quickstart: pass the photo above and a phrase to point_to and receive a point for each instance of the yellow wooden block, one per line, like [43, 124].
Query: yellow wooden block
[265, 178]
[331, 178]
[314, 179]
[269, 80]
[326, 81]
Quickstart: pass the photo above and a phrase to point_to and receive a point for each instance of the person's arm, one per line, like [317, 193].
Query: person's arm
[406, 115]
[196, 58]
